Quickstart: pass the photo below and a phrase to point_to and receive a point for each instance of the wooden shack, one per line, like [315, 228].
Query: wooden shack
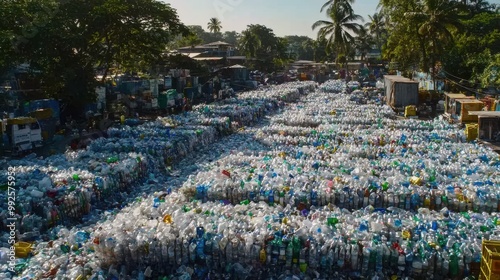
[464, 106]
[449, 101]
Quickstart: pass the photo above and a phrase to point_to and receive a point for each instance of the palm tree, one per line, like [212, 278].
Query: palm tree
[331, 3]
[311, 45]
[363, 42]
[337, 31]
[249, 43]
[214, 25]
[377, 27]
[437, 19]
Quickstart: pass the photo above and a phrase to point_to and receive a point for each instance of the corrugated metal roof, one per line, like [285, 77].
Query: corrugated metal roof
[399, 79]
[456, 95]
[485, 113]
[468, 101]
[207, 58]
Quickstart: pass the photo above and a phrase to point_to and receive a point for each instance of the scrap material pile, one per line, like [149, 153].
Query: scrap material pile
[325, 188]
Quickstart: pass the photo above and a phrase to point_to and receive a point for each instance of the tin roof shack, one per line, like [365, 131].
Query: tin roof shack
[449, 101]
[400, 91]
[489, 125]
[464, 106]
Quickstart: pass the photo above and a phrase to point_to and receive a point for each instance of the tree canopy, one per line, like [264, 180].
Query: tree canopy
[268, 50]
[214, 25]
[66, 41]
[458, 39]
[339, 29]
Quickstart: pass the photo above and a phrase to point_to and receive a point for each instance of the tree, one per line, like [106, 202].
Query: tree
[249, 43]
[478, 6]
[491, 75]
[189, 40]
[260, 42]
[206, 37]
[405, 45]
[437, 20]
[376, 25]
[231, 37]
[69, 40]
[337, 31]
[473, 45]
[363, 42]
[309, 48]
[330, 4]
[214, 25]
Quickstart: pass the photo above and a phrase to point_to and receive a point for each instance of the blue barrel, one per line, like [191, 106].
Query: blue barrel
[36, 105]
[54, 105]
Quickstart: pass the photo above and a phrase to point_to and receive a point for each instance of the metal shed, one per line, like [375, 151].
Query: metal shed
[489, 125]
[400, 91]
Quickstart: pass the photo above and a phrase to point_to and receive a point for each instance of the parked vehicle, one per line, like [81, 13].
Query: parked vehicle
[23, 135]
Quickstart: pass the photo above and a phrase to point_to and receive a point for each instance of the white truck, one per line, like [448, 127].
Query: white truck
[24, 134]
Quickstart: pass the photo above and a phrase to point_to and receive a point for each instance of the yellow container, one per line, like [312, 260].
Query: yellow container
[490, 260]
[471, 131]
[42, 114]
[410, 111]
[21, 120]
[22, 249]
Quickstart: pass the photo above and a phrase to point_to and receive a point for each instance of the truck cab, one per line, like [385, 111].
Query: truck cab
[24, 134]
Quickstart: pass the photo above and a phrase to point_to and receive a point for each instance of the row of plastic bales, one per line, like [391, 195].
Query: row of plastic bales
[70, 188]
[356, 168]
[170, 231]
[48, 195]
[194, 234]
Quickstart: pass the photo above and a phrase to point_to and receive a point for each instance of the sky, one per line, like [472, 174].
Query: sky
[285, 17]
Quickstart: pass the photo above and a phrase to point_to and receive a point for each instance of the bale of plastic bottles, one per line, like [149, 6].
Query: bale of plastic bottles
[332, 186]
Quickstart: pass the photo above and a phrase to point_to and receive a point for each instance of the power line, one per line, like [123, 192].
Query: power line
[469, 89]
[454, 76]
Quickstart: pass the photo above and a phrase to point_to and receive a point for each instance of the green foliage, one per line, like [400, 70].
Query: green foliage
[231, 37]
[66, 41]
[249, 43]
[300, 47]
[260, 42]
[206, 37]
[377, 28]
[491, 75]
[338, 30]
[363, 42]
[420, 30]
[473, 46]
[214, 25]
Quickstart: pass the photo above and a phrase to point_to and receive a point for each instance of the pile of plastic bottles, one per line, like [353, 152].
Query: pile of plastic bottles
[170, 232]
[75, 182]
[327, 188]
